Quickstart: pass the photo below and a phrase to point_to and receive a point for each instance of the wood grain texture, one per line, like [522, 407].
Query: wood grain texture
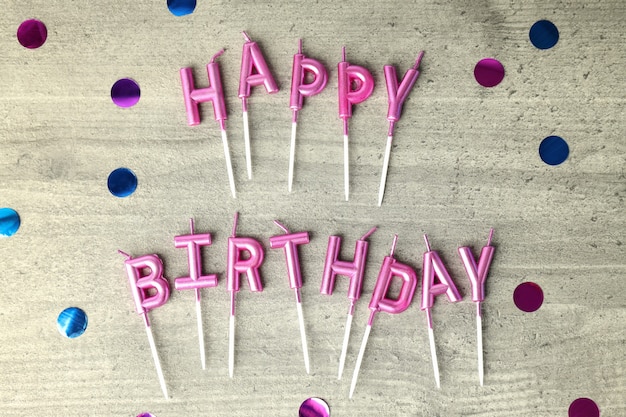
[464, 159]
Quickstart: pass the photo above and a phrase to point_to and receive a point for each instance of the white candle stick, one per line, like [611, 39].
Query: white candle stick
[200, 331]
[231, 336]
[155, 356]
[433, 349]
[479, 344]
[346, 338]
[229, 166]
[346, 167]
[359, 359]
[292, 151]
[383, 178]
[246, 139]
[305, 349]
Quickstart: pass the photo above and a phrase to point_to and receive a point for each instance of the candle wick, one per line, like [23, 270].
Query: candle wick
[277, 223]
[235, 223]
[369, 233]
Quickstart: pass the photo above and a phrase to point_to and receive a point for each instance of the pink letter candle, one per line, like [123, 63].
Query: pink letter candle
[380, 301]
[302, 66]
[396, 97]
[289, 243]
[254, 72]
[237, 265]
[195, 281]
[477, 275]
[354, 270]
[361, 79]
[140, 284]
[434, 267]
[215, 94]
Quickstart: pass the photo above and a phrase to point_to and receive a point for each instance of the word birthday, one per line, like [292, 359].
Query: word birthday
[245, 255]
[308, 78]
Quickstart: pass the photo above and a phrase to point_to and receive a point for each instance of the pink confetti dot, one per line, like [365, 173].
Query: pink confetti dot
[583, 407]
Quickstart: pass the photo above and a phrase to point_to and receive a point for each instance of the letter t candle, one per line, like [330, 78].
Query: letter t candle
[288, 242]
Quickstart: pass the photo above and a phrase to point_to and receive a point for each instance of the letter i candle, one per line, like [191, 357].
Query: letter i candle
[361, 79]
[477, 275]
[396, 97]
[289, 243]
[195, 281]
[381, 302]
[355, 271]
[433, 266]
[215, 94]
[252, 60]
[300, 89]
[237, 265]
[140, 284]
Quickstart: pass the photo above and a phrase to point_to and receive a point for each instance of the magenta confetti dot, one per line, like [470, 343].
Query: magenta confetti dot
[489, 72]
[528, 297]
[146, 415]
[125, 92]
[314, 407]
[583, 407]
[32, 33]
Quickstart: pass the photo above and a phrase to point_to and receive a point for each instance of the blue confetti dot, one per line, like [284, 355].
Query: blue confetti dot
[72, 322]
[553, 150]
[181, 7]
[122, 182]
[9, 222]
[544, 34]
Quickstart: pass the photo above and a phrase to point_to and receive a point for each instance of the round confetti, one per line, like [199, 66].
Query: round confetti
[489, 72]
[528, 297]
[583, 407]
[146, 415]
[181, 7]
[32, 34]
[125, 92]
[72, 322]
[553, 150]
[314, 407]
[9, 222]
[543, 34]
[122, 182]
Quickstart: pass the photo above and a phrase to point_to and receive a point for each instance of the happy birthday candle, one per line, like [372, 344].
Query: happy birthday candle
[238, 264]
[195, 281]
[140, 285]
[396, 97]
[215, 94]
[254, 72]
[289, 243]
[434, 268]
[477, 275]
[302, 66]
[355, 85]
[355, 271]
[380, 301]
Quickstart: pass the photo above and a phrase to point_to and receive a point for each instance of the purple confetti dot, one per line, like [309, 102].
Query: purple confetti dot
[528, 297]
[489, 72]
[125, 92]
[583, 407]
[146, 415]
[32, 34]
[314, 407]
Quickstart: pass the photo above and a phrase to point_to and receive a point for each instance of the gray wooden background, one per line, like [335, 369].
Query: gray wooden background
[465, 158]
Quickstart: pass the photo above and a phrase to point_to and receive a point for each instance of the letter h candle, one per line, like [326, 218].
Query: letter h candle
[355, 271]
